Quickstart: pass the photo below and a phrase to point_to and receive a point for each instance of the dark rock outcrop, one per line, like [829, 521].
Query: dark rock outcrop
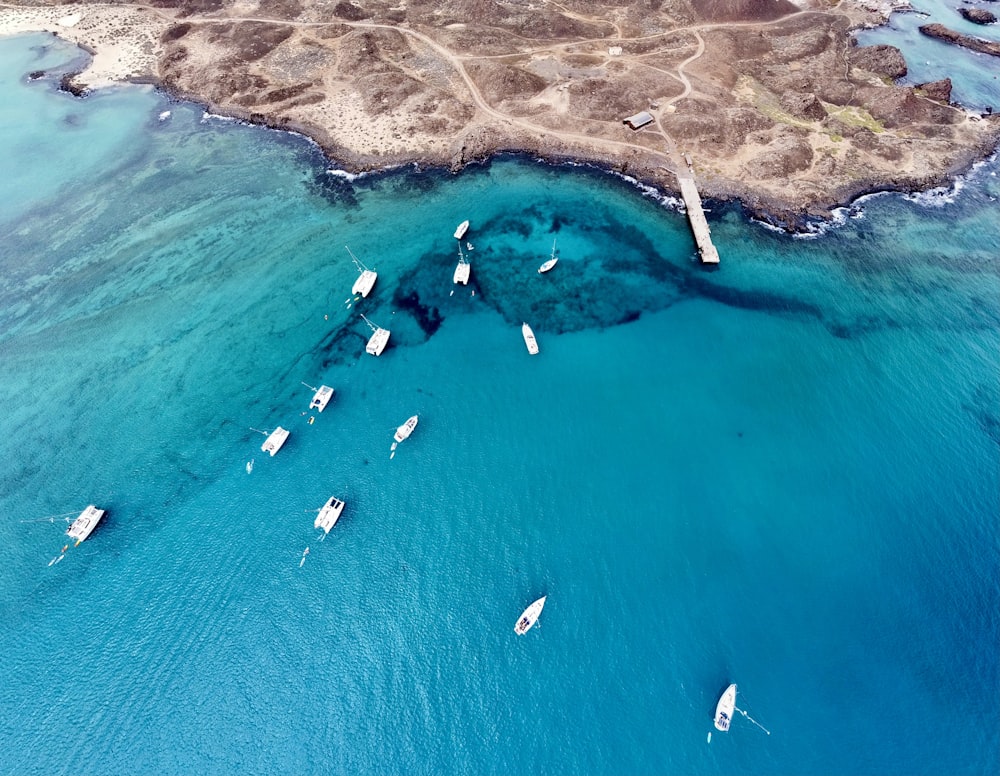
[941, 32]
[936, 90]
[881, 60]
[977, 15]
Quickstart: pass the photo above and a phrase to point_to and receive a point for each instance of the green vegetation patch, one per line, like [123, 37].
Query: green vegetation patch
[854, 117]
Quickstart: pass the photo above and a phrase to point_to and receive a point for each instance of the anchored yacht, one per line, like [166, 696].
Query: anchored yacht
[85, 523]
[462, 229]
[329, 514]
[529, 616]
[366, 277]
[529, 339]
[274, 442]
[724, 709]
[321, 398]
[404, 431]
[463, 268]
[378, 340]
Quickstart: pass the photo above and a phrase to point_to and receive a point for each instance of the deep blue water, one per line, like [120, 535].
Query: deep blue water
[782, 474]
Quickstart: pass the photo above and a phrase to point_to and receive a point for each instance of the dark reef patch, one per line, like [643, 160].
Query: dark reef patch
[428, 318]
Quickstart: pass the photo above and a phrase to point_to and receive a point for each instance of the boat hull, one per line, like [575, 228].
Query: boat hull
[461, 230]
[85, 524]
[321, 398]
[404, 431]
[365, 282]
[377, 342]
[274, 442]
[547, 266]
[529, 339]
[329, 514]
[462, 273]
[724, 709]
[529, 617]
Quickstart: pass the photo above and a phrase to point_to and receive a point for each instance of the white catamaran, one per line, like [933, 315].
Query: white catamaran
[529, 617]
[463, 268]
[84, 525]
[321, 398]
[329, 514]
[275, 440]
[378, 340]
[551, 262]
[529, 339]
[366, 277]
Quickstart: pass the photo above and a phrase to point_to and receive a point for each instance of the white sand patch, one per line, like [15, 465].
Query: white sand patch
[126, 39]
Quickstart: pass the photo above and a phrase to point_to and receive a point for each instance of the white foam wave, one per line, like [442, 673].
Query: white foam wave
[937, 197]
[350, 177]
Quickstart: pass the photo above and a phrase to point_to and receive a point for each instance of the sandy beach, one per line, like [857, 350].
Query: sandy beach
[123, 40]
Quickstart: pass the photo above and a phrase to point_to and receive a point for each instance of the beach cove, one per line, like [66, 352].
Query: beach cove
[781, 474]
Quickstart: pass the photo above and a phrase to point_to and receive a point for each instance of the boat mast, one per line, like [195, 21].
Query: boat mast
[361, 267]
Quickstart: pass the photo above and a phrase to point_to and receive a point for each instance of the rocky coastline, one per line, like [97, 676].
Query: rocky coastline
[775, 104]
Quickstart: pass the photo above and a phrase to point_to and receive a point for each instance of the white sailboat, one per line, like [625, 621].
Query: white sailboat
[463, 268]
[724, 712]
[378, 340]
[328, 515]
[529, 616]
[724, 709]
[529, 339]
[366, 277]
[551, 262]
[462, 229]
[84, 525]
[275, 440]
[321, 398]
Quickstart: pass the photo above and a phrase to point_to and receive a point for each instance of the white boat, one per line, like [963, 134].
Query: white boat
[274, 442]
[366, 277]
[321, 398]
[551, 262]
[529, 616]
[463, 268]
[529, 339]
[462, 229]
[404, 431]
[724, 708]
[378, 340]
[328, 515]
[85, 523]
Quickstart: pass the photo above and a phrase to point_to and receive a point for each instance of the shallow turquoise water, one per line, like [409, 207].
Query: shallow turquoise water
[783, 473]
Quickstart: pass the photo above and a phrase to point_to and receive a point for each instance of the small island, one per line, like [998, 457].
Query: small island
[771, 101]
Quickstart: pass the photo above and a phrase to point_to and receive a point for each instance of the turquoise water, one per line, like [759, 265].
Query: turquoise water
[974, 77]
[782, 474]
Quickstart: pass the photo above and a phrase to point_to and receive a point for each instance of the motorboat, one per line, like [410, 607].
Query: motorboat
[275, 440]
[529, 339]
[366, 277]
[724, 708]
[404, 431]
[321, 398]
[84, 525]
[462, 229]
[329, 514]
[529, 616]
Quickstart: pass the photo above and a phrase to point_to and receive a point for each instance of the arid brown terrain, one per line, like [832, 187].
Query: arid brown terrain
[770, 100]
